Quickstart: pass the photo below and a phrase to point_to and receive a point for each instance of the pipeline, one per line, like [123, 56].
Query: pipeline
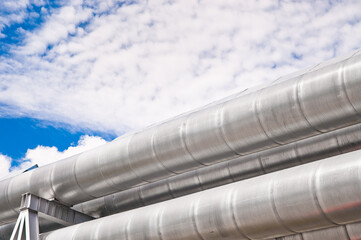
[345, 232]
[308, 150]
[309, 197]
[322, 99]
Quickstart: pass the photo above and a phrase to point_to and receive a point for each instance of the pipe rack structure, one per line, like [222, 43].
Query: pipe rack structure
[304, 151]
[312, 196]
[304, 117]
[307, 150]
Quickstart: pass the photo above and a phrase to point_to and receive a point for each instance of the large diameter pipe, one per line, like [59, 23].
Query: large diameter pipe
[350, 231]
[308, 197]
[320, 100]
[44, 226]
[307, 150]
[344, 232]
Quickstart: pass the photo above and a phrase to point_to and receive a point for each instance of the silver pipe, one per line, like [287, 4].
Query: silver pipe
[307, 150]
[44, 226]
[6, 230]
[312, 196]
[345, 232]
[350, 231]
[322, 99]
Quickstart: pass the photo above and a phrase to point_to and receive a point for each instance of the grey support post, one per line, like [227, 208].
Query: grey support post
[32, 207]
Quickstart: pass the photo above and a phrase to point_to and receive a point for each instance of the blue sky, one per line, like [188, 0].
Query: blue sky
[75, 74]
[21, 134]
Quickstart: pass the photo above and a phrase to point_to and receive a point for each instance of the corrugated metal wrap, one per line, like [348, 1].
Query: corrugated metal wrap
[257, 150]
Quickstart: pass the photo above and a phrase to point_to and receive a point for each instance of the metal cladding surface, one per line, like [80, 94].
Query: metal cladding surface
[321, 99]
[6, 230]
[344, 232]
[307, 150]
[312, 196]
[44, 226]
[293, 154]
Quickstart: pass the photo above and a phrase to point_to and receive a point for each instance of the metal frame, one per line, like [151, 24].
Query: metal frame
[32, 207]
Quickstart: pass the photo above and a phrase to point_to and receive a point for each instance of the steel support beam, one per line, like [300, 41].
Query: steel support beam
[32, 207]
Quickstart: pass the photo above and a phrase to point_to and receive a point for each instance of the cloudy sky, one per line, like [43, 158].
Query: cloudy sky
[75, 74]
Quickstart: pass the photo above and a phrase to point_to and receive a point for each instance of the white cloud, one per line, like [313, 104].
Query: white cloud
[58, 27]
[5, 163]
[110, 68]
[12, 12]
[43, 155]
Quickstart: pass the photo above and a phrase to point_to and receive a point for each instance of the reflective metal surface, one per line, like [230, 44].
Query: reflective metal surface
[304, 198]
[307, 150]
[45, 226]
[345, 232]
[314, 101]
[350, 231]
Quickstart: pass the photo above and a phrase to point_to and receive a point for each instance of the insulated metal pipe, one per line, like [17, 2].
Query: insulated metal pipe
[350, 231]
[345, 232]
[312, 196]
[321, 99]
[44, 226]
[6, 230]
[307, 150]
